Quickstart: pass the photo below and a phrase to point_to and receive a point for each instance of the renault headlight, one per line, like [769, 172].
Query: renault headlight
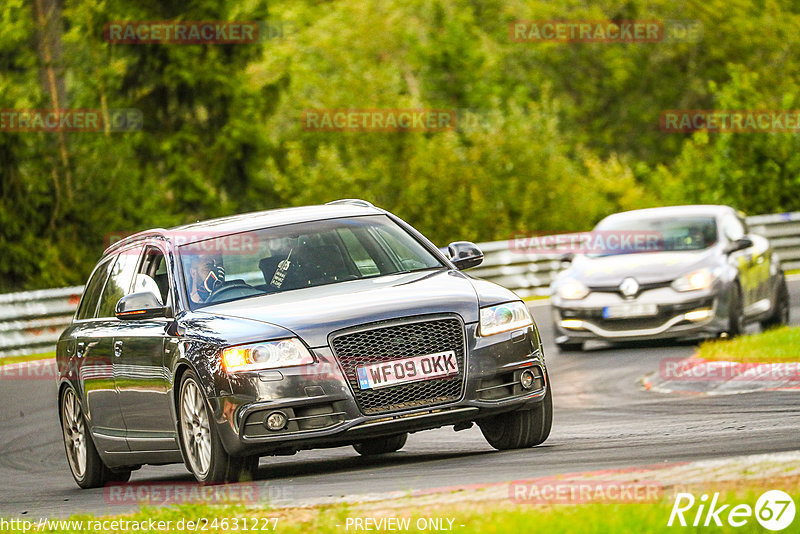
[266, 355]
[699, 279]
[504, 317]
[572, 289]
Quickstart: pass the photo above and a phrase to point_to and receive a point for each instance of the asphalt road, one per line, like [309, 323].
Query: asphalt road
[603, 419]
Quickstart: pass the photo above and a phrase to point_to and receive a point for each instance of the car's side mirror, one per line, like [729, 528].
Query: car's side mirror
[464, 254]
[143, 305]
[739, 244]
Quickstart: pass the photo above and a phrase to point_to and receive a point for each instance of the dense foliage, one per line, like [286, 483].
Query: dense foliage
[567, 133]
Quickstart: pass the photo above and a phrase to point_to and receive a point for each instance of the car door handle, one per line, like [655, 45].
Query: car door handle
[118, 348]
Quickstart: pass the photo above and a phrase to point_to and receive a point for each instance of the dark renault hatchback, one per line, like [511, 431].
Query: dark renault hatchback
[219, 342]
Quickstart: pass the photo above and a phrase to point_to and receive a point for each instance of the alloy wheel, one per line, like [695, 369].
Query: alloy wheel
[195, 428]
[74, 429]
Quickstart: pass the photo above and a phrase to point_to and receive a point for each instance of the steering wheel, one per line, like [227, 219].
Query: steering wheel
[228, 286]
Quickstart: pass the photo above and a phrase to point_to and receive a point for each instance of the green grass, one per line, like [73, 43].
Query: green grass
[471, 517]
[27, 358]
[778, 345]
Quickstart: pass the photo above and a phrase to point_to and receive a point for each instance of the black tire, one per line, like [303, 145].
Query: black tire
[735, 312]
[780, 313]
[94, 473]
[222, 467]
[573, 346]
[375, 446]
[120, 476]
[520, 429]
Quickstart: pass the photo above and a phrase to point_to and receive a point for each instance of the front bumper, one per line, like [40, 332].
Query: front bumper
[322, 411]
[679, 315]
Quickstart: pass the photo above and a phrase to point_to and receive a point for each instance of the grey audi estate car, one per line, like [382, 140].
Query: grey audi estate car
[216, 343]
[681, 271]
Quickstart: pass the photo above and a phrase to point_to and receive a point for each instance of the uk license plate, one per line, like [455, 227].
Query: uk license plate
[406, 370]
[626, 311]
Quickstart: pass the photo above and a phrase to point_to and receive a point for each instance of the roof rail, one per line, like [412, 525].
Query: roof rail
[352, 201]
[153, 232]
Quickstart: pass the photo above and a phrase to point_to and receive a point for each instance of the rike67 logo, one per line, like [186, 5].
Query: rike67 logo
[774, 510]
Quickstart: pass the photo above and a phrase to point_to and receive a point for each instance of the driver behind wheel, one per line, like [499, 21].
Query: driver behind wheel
[207, 273]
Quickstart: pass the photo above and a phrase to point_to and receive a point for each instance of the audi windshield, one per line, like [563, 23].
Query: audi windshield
[272, 260]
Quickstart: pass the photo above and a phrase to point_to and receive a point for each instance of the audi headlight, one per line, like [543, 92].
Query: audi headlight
[504, 317]
[700, 279]
[572, 289]
[266, 355]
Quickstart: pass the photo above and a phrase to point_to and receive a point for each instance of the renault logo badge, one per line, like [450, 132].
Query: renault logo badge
[629, 287]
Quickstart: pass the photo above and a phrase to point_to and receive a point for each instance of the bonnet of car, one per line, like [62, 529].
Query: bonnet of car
[313, 313]
[653, 267]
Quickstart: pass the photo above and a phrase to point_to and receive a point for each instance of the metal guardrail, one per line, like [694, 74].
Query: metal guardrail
[526, 274]
[31, 321]
[783, 232]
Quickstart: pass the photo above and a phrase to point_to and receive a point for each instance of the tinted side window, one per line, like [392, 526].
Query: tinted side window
[120, 282]
[152, 275]
[91, 294]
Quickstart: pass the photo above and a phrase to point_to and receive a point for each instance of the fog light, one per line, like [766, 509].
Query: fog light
[276, 421]
[526, 379]
[572, 323]
[698, 315]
